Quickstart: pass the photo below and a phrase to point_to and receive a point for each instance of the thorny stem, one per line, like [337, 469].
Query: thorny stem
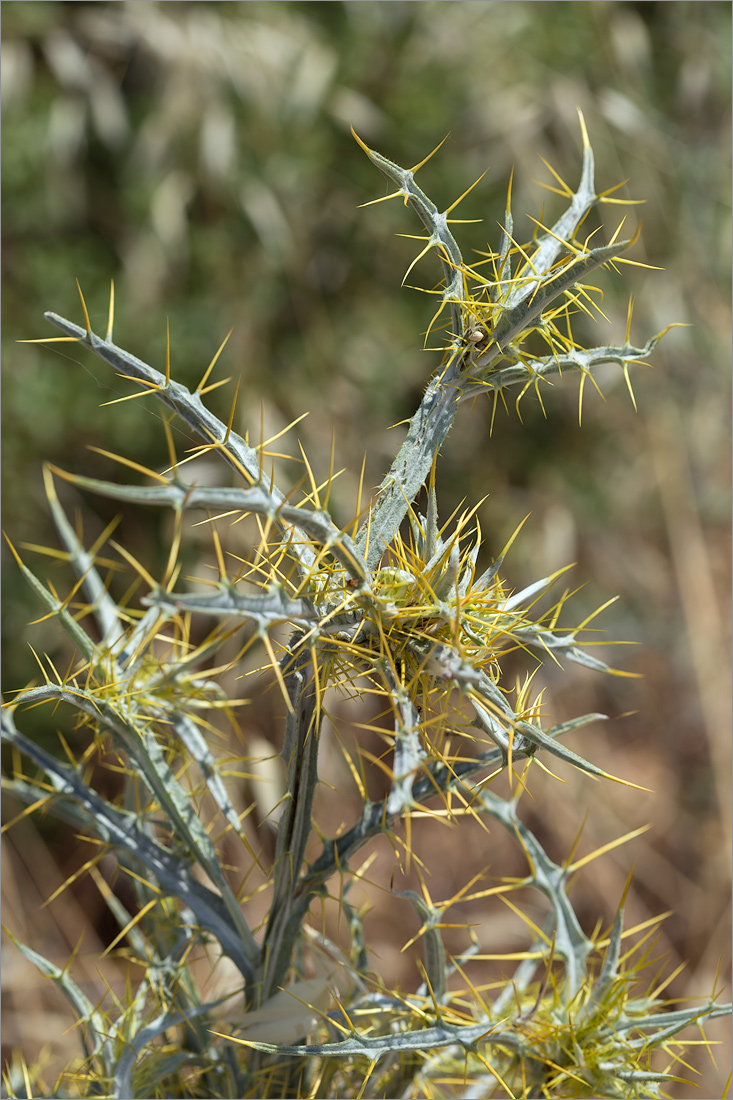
[410, 469]
[300, 752]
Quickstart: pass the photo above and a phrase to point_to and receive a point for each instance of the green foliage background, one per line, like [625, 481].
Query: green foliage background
[200, 155]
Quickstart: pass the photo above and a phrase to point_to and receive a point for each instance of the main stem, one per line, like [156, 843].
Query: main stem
[300, 752]
[411, 468]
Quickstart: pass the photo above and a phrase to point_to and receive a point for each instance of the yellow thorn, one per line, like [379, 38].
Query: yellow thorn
[629, 315]
[127, 462]
[359, 494]
[210, 367]
[51, 340]
[231, 414]
[127, 397]
[466, 192]
[628, 386]
[275, 666]
[283, 431]
[330, 471]
[134, 563]
[577, 864]
[13, 551]
[566, 190]
[219, 554]
[311, 478]
[111, 318]
[584, 132]
[417, 167]
[169, 442]
[509, 192]
[215, 386]
[384, 198]
[359, 141]
[131, 924]
[84, 307]
[420, 255]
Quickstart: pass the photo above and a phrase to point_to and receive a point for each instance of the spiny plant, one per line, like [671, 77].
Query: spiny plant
[392, 608]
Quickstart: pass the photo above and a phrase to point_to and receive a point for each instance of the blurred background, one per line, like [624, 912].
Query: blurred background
[199, 154]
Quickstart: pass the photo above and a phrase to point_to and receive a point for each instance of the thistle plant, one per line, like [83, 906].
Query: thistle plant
[388, 605]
